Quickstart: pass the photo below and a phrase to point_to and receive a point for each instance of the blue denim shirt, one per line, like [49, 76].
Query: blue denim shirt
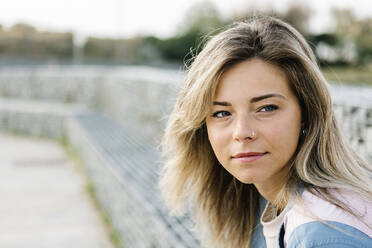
[315, 235]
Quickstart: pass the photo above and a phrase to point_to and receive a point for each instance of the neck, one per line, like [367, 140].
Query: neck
[270, 190]
[271, 197]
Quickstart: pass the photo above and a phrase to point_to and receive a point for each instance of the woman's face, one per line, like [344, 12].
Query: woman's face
[254, 96]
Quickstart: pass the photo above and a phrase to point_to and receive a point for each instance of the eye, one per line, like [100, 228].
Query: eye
[268, 108]
[220, 114]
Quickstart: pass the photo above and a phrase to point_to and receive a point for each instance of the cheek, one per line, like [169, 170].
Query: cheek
[285, 135]
[218, 140]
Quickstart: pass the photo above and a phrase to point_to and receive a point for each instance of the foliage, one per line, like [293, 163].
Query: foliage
[200, 20]
[348, 43]
[349, 29]
[357, 75]
[114, 50]
[298, 14]
[101, 48]
[24, 40]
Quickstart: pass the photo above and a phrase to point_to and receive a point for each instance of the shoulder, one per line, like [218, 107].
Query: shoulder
[328, 235]
[258, 239]
[314, 219]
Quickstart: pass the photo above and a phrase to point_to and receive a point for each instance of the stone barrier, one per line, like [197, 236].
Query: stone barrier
[124, 170]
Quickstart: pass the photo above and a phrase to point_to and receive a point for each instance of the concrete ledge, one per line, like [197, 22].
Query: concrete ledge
[356, 124]
[50, 84]
[45, 119]
[124, 172]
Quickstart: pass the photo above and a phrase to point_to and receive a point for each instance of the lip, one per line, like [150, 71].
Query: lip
[248, 156]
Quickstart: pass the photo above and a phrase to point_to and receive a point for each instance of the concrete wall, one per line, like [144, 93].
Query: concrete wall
[353, 110]
[134, 96]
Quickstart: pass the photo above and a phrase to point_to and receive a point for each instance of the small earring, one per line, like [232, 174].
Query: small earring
[304, 131]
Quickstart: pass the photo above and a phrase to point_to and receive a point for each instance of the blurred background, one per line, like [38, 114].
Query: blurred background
[86, 87]
[163, 33]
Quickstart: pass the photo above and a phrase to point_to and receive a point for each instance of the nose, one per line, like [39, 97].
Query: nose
[243, 130]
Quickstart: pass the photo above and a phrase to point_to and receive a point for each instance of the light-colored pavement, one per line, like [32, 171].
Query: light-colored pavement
[43, 202]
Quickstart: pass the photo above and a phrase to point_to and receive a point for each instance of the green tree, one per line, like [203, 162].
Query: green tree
[23, 29]
[200, 20]
[98, 48]
[149, 50]
[298, 14]
[364, 41]
[203, 18]
[349, 29]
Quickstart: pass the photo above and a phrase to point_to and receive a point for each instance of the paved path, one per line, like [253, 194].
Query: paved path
[43, 203]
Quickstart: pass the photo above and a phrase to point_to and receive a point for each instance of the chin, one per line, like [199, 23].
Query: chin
[245, 180]
[251, 178]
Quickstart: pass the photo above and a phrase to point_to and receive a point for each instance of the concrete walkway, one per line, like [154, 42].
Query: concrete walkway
[43, 201]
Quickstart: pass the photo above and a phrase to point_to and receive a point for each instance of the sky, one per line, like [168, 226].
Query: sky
[124, 18]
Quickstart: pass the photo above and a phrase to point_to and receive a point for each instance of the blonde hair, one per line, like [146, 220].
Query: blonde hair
[224, 208]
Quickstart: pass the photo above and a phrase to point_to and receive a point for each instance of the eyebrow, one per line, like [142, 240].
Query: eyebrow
[253, 100]
[260, 98]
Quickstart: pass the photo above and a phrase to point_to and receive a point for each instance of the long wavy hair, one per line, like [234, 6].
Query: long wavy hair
[225, 209]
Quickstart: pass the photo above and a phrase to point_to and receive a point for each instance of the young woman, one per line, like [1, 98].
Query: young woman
[254, 148]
